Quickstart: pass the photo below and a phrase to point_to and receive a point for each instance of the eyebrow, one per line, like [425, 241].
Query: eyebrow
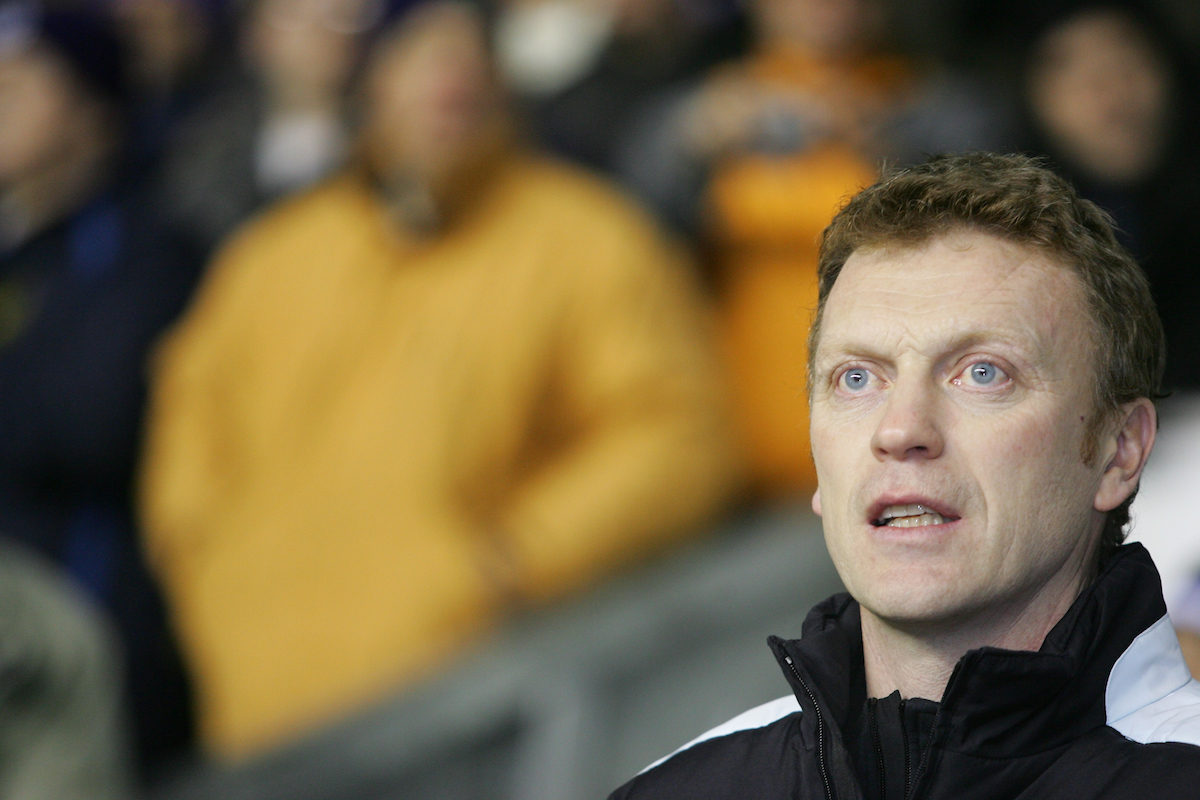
[956, 344]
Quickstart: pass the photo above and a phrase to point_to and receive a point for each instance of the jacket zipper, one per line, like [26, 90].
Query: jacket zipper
[872, 716]
[925, 753]
[812, 698]
[907, 767]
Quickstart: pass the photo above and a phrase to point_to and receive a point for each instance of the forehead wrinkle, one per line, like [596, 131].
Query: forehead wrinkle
[939, 326]
[908, 299]
[1006, 273]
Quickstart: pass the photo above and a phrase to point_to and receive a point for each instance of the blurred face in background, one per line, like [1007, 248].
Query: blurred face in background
[432, 106]
[165, 39]
[1101, 91]
[40, 113]
[829, 27]
[305, 50]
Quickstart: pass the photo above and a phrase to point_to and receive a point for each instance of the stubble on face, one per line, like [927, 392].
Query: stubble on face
[999, 462]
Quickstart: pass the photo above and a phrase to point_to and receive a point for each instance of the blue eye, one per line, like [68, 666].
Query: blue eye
[856, 379]
[984, 373]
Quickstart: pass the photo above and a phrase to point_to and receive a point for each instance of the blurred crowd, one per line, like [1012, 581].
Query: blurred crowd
[334, 333]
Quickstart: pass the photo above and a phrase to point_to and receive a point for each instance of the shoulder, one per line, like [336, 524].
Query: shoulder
[1173, 718]
[588, 230]
[304, 230]
[754, 719]
[294, 243]
[567, 191]
[1105, 764]
[1151, 696]
[344, 199]
[738, 757]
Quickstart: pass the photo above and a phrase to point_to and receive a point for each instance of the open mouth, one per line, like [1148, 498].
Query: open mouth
[913, 515]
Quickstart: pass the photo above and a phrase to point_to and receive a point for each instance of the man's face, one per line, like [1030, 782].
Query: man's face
[957, 376]
[430, 93]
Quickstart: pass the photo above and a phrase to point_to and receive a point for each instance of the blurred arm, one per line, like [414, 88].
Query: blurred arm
[187, 465]
[62, 734]
[651, 455]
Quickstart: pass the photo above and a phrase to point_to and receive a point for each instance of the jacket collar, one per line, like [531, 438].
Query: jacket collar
[1000, 703]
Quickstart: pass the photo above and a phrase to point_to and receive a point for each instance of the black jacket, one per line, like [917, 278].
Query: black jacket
[80, 304]
[1106, 709]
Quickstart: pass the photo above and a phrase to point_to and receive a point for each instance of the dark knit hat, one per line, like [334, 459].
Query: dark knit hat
[84, 37]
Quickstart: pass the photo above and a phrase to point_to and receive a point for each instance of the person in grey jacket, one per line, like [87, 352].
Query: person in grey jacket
[62, 731]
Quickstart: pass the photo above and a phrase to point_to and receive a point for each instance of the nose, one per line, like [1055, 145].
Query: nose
[910, 427]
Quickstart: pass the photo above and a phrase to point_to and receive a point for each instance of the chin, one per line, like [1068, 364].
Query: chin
[914, 597]
[910, 608]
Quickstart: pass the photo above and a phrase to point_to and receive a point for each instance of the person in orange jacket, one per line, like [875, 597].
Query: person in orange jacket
[755, 160]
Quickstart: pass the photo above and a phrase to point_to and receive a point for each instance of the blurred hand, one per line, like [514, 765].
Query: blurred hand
[736, 112]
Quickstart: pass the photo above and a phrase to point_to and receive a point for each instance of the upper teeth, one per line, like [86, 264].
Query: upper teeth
[910, 516]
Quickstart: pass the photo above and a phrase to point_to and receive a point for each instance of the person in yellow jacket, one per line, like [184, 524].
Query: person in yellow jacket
[453, 379]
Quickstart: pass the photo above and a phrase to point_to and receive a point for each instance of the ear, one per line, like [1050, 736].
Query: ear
[1131, 447]
[816, 502]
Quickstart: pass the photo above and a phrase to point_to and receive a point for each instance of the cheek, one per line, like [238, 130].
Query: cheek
[1033, 473]
[1148, 96]
[389, 105]
[832, 462]
[844, 464]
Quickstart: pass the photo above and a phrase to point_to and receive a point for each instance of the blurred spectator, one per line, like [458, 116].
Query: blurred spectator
[85, 285]
[755, 160]
[581, 68]
[1110, 97]
[62, 732]
[452, 380]
[1112, 100]
[278, 125]
[170, 65]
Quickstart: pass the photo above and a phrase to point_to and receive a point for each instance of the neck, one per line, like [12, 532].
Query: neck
[424, 201]
[917, 659]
